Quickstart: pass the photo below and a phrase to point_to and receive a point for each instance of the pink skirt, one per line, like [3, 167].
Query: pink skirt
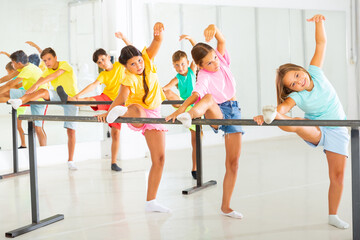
[155, 113]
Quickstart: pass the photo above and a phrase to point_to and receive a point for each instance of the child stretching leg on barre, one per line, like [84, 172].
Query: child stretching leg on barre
[312, 92]
[215, 87]
[142, 96]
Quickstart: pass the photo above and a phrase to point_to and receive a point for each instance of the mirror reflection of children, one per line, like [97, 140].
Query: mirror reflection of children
[26, 76]
[111, 77]
[185, 82]
[58, 73]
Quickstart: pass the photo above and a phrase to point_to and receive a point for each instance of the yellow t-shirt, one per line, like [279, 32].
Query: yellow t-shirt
[42, 66]
[112, 80]
[67, 79]
[30, 74]
[155, 96]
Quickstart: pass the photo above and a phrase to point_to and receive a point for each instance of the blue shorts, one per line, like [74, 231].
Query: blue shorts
[230, 110]
[69, 110]
[35, 109]
[334, 139]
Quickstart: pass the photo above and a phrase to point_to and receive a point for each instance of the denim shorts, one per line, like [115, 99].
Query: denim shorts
[35, 109]
[334, 139]
[230, 110]
[69, 110]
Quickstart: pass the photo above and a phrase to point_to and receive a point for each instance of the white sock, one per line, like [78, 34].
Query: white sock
[233, 214]
[15, 103]
[269, 113]
[337, 222]
[116, 112]
[72, 166]
[185, 119]
[154, 206]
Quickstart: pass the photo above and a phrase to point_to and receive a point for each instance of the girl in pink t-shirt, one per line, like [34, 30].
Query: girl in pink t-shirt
[214, 94]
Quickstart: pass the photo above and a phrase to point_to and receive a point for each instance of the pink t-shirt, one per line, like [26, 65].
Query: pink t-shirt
[220, 84]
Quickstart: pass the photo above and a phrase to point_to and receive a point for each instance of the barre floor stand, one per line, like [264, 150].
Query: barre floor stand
[355, 172]
[199, 184]
[36, 222]
[16, 171]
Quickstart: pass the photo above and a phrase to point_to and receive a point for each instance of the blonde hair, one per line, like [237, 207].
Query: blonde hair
[282, 92]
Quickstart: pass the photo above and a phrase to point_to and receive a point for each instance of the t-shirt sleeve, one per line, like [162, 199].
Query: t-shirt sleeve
[25, 73]
[296, 97]
[225, 59]
[129, 82]
[201, 86]
[101, 77]
[65, 66]
[45, 73]
[316, 73]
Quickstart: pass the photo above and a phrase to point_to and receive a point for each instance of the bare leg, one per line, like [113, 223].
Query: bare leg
[310, 134]
[115, 135]
[208, 107]
[156, 142]
[85, 99]
[233, 149]
[41, 135]
[21, 133]
[41, 93]
[5, 89]
[4, 97]
[135, 110]
[336, 164]
[170, 95]
[71, 143]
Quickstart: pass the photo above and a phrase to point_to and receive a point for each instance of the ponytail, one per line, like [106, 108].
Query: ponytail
[146, 88]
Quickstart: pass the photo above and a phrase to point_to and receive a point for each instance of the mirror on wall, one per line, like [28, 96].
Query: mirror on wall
[258, 41]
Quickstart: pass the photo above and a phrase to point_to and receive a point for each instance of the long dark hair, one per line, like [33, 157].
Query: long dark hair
[126, 54]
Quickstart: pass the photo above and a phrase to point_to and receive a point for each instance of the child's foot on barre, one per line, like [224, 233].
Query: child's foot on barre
[185, 119]
[15, 103]
[116, 112]
[269, 113]
[62, 94]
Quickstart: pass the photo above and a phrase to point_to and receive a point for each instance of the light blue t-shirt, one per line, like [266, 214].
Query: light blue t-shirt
[322, 102]
[186, 83]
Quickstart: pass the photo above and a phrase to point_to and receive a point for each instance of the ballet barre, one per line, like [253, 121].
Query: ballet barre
[15, 151]
[355, 156]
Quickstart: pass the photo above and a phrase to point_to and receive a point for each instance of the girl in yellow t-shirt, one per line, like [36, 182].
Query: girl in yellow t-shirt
[142, 95]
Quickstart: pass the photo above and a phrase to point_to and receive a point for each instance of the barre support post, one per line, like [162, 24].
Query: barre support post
[36, 222]
[15, 148]
[355, 172]
[199, 184]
